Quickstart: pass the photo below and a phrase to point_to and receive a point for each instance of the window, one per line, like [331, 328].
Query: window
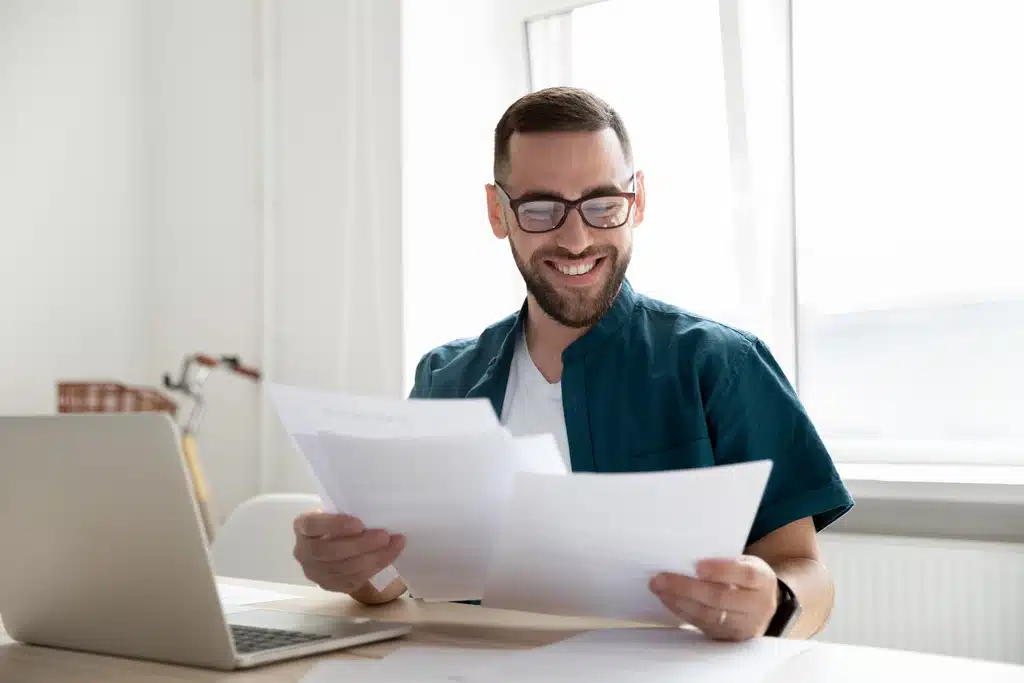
[909, 157]
[904, 167]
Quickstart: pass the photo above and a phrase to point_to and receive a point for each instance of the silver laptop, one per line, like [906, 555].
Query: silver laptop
[102, 550]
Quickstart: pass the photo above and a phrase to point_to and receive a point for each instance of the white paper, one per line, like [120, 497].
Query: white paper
[367, 671]
[309, 445]
[659, 655]
[589, 544]
[305, 412]
[446, 494]
[455, 663]
[412, 664]
[232, 595]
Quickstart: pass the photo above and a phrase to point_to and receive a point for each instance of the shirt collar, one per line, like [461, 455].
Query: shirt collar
[495, 378]
[607, 327]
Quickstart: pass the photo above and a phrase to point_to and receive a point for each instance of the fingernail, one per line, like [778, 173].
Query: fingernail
[659, 583]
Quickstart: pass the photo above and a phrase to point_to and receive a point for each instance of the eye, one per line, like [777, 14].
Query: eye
[539, 211]
[535, 213]
[603, 206]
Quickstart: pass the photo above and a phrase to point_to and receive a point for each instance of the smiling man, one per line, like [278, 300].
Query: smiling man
[624, 382]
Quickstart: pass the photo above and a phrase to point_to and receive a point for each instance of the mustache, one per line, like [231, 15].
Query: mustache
[562, 253]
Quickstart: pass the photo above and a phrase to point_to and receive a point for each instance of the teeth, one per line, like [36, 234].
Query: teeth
[577, 270]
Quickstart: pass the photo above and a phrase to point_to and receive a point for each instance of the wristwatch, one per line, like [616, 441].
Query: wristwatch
[785, 614]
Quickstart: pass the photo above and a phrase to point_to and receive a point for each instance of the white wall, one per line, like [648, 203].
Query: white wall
[129, 206]
[71, 160]
[203, 216]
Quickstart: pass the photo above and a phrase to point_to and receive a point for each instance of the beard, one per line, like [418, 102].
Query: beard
[569, 307]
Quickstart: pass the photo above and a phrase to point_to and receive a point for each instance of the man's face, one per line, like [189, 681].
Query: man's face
[573, 272]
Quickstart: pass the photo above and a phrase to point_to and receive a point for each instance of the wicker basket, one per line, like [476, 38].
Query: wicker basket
[110, 397]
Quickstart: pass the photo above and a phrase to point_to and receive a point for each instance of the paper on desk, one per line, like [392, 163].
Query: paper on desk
[367, 671]
[659, 655]
[446, 494]
[412, 664]
[305, 412]
[455, 663]
[655, 655]
[589, 544]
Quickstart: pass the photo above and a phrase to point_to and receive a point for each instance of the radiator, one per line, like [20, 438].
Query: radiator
[947, 597]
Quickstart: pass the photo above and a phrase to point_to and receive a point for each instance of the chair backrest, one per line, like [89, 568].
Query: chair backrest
[257, 539]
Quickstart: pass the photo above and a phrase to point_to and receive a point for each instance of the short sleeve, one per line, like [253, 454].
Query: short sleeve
[755, 414]
[421, 379]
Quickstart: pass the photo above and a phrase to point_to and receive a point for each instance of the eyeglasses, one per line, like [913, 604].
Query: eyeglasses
[604, 211]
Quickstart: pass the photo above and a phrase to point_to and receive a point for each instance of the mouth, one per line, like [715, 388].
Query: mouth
[577, 272]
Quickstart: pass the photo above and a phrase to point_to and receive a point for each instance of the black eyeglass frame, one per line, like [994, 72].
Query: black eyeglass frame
[569, 205]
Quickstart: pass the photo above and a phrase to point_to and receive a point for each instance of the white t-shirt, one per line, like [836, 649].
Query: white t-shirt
[532, 404]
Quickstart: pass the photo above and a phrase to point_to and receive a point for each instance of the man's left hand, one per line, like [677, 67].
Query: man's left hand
[731, 599]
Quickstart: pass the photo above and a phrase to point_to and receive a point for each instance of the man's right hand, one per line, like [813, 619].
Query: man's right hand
[339, 554]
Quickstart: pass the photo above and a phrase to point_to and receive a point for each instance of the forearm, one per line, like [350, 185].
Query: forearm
[810, 581]
[368, 595]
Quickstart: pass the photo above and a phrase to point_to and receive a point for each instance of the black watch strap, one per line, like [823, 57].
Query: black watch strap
[785, 614]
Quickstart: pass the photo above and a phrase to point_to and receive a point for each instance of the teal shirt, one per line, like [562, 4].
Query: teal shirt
[651, 387]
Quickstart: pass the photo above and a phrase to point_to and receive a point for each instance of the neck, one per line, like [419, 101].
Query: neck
[546, 339]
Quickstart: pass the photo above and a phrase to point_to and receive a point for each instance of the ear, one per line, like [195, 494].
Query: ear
[641, 200]
[496, 213]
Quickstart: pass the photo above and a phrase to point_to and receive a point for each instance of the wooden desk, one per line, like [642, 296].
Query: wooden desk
[469, 626]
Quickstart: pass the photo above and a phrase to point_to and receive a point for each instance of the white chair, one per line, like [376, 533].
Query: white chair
[256, 541]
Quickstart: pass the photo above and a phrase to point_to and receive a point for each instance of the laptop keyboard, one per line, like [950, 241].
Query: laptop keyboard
[253, 639]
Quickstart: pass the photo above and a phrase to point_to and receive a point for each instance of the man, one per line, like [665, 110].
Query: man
[624, 382]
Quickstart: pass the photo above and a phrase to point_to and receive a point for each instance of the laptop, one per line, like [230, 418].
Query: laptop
[102, 550]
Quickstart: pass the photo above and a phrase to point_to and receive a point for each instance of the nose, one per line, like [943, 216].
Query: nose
[574, 235]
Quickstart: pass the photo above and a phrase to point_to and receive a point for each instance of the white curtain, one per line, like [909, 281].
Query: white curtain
[758, 85]
[332, 170]
[549, 43]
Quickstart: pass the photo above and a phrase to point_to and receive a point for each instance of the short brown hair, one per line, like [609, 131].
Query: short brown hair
[553, 110]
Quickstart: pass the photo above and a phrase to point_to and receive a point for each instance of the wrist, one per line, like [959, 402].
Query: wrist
[787, 609]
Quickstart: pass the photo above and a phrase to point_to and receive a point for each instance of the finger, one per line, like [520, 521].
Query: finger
[336, 550]
[330, 577]
[323, 577]
[718, 596]
[363, 567]
[320, 524]
[747, 571]
[735, 626]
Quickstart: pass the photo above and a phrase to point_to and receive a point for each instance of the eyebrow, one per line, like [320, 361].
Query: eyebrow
[596, 191]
